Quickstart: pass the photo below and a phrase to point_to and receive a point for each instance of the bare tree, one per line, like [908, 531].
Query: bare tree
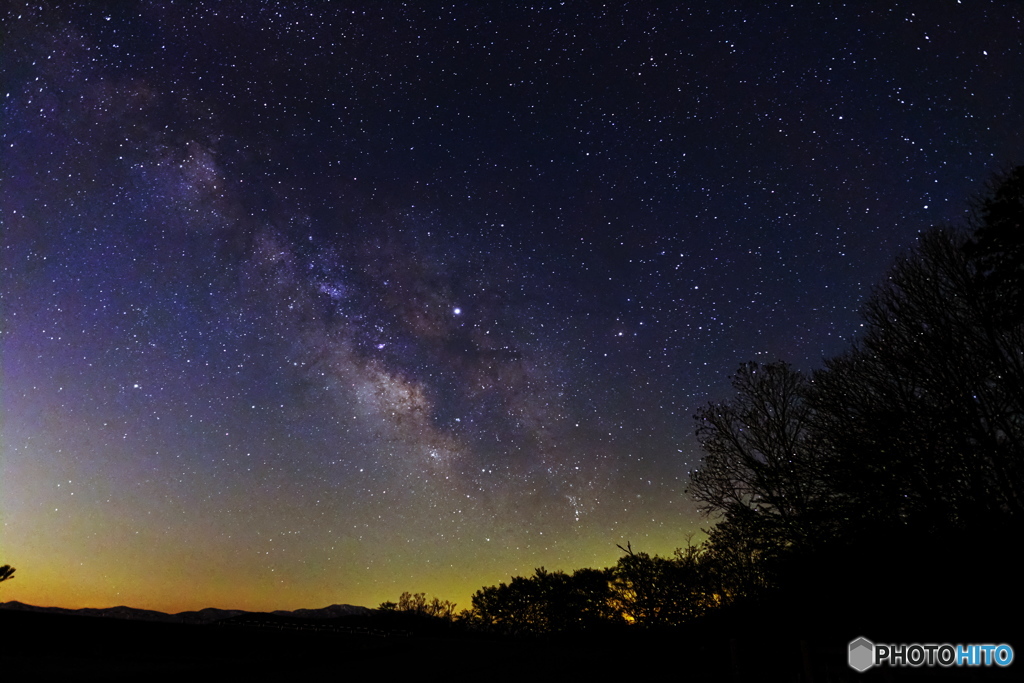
[760, 460]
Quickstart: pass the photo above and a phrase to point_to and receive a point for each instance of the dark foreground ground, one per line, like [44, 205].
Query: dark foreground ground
[743, 647]
[892, 589]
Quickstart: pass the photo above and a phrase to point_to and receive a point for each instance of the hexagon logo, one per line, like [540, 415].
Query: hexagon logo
[862, 654]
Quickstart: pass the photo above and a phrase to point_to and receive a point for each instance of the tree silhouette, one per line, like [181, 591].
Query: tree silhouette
[920, 426]
[762, 471]
[417, 603]
[925, 415]
[664, 591]
[997, 245]
[516, 607]
[547, 602]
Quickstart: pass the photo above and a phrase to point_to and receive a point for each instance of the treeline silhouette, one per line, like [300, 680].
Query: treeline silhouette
[888, 484]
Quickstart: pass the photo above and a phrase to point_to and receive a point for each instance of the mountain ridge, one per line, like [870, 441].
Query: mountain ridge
[206, 615]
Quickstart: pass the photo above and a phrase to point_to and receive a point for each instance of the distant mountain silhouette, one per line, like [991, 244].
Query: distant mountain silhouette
[204, 616]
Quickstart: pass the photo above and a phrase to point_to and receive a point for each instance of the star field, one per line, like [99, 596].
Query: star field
[304, 304]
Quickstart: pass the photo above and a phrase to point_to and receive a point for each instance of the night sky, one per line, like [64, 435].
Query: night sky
[314, 303]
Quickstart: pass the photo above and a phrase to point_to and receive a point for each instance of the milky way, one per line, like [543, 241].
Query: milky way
[305, 305]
